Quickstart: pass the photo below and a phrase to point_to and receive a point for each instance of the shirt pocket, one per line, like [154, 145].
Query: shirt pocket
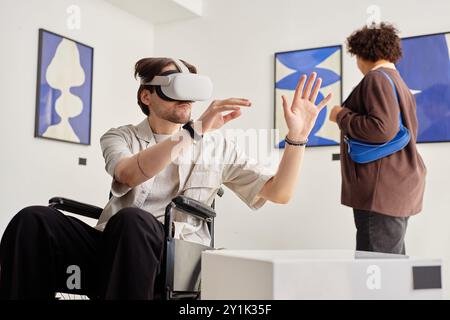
[202, 186]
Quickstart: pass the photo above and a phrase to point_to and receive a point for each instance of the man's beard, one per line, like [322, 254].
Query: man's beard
[177, 117]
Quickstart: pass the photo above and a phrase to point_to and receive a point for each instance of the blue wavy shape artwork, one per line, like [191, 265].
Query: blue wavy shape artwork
[289, 67]
[425, 67]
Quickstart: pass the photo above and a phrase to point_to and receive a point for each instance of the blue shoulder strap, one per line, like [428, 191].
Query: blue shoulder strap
[400, 118]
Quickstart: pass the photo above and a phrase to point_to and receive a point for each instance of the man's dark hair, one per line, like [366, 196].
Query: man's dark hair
[375, 43]
[146, 69]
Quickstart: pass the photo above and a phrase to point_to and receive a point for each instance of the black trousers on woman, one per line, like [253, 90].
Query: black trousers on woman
[380, 233]
[43, 251]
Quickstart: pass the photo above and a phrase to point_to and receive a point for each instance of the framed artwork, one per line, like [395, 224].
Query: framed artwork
[289, 67]
[425, 67]
[64, 89]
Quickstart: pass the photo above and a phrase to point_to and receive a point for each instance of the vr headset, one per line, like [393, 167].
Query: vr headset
[181, 85]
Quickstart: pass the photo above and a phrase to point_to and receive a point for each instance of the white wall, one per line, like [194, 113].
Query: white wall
[235, 43]
[32, 170]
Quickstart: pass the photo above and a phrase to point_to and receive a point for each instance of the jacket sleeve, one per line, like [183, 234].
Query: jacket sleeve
[379, 123]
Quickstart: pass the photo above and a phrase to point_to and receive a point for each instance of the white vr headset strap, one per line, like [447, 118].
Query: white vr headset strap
[181, 66]
[164, 80]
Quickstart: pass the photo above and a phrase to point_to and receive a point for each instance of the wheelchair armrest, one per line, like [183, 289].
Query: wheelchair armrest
[194, 207]
[76, 207]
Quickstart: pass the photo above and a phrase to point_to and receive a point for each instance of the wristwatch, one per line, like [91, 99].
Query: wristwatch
[189, 126]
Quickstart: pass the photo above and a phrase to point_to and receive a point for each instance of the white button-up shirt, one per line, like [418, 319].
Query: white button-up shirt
[202, 169]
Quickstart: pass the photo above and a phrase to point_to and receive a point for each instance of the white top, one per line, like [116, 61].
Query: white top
[165, 188]
[166, 184]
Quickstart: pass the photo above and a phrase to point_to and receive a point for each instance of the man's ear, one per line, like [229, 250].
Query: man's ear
[145, 97]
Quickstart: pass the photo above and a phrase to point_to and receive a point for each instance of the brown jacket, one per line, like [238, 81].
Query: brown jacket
[393, 185]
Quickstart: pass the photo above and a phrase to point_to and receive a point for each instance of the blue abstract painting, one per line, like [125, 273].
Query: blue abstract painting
[64, 89]
[425, 67]
[289, 67]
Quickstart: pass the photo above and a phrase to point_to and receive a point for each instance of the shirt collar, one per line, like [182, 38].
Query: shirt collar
[144, 132]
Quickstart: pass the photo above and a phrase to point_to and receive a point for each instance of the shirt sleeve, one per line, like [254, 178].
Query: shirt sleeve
[244, 176]
[115, 147]
[379, 123]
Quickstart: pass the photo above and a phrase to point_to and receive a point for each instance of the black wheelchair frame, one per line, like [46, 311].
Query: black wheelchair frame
[180, 275]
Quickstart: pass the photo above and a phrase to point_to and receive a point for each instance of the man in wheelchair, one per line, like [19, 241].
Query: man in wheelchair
[151, 163]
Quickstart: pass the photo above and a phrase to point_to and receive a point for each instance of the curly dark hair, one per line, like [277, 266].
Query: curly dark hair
[376, 42]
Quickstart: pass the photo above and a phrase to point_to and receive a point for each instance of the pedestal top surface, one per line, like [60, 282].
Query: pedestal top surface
[300, 255]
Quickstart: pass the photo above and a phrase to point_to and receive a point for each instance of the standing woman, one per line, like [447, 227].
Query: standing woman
[383, 193]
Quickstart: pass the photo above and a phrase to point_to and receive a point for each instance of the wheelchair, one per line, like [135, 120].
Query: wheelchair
[180, 275]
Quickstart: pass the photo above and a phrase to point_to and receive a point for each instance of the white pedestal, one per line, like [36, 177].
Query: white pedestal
[317, 274]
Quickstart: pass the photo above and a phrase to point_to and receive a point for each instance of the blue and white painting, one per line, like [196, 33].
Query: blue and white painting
[63, 108]
[425, 67]
[289, 67]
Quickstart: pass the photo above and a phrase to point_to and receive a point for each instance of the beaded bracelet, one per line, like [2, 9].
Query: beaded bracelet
[295, 143]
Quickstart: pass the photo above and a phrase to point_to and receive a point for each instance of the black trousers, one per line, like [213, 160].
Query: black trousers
[379, 233]
[44, 251]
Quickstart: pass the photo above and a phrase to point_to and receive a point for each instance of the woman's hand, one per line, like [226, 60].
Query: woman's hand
[213, 118]
[302, 114]
[334, 113]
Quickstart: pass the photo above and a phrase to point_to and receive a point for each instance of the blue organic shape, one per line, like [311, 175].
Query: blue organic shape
[47, 101]
[433, 113]
[425, 66]
[425, 61]
[48, 95]
[290, 82]
[308, 58]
